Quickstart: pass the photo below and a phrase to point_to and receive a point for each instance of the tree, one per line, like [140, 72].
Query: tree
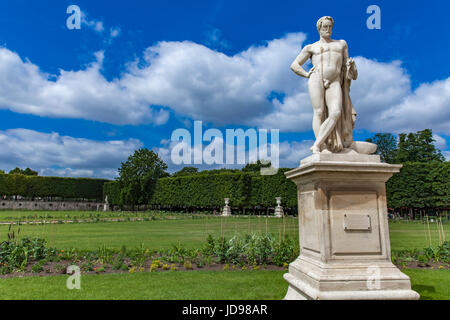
[2, 172]
[26, 172]
[387, 146]
[256, 166]
[418, 147]
[138, 176]
[186, 171]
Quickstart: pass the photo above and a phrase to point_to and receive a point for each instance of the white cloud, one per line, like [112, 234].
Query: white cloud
[440, 142]
[52, 154]
[114, 32]
[215, 39]
[84, 94]
[203, 84]
[189, 78]
[95, 25]
[426, 107]
[292, 152]
[446, 154]
[99, 27]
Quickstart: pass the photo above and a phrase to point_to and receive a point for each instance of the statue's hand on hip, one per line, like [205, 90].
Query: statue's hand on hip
[311, 72]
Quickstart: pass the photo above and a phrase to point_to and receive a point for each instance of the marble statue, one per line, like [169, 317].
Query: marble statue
[329, 90]
[345, 250]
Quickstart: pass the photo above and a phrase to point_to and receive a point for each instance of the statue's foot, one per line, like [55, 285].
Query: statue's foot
[315, 149]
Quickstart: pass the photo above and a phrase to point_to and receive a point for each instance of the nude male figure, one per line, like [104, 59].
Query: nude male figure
[325, 82]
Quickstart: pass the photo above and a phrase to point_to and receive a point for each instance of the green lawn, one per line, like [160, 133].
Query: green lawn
[191, 232]
[430, 284]
[205, 285]
[155, 234]
[158, 234]
[194, 285]
[410, 235]
[29, 215]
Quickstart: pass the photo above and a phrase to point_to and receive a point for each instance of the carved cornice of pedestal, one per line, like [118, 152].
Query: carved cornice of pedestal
[338, 170]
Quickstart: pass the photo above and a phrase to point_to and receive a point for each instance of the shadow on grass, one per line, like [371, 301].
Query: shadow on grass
[423, 291]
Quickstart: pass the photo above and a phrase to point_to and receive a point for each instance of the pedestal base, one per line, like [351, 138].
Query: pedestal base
[226, 211]
[279, 213]
[344, 233]
[380, 281]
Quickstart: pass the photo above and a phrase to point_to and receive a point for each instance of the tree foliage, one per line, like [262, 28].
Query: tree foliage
[138, 176]
[420, 185]
[411, 147]
[418, 147]
[256, 166]
[387, 146]
[186, 171]
[26, 172]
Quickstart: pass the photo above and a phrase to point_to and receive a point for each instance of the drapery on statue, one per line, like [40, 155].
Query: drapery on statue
[329, 90]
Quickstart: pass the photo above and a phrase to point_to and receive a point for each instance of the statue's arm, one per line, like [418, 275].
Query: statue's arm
[296, 66]
[352, 73]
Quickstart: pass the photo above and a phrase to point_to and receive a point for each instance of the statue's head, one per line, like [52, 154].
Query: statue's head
[325, 26]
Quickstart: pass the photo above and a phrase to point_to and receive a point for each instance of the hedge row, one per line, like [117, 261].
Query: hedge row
[112, 191]
[420, 185]
[210, 189]
[264, 189]
[203, 190]
[35, 186]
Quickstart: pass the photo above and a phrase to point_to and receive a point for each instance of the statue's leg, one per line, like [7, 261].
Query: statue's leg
[317, 95]
[333, 100]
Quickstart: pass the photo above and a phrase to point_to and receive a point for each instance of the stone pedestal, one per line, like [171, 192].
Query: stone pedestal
[344, 235]
[279, 213]
[226, 211]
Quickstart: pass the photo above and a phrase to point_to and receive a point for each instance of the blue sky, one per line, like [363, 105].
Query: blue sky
[78, 102]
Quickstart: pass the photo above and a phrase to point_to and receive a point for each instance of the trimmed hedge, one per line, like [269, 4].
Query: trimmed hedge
[203, 190]
[35, 186]
[418, 185]
[208, 189]
[112, 190]
[264, 189]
